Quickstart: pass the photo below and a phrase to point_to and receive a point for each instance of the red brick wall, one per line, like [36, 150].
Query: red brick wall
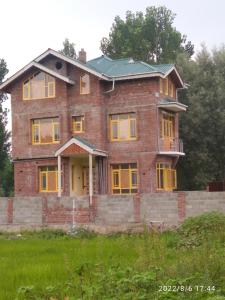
[139, 96]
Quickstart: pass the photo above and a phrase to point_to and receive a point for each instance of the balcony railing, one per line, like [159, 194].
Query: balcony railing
[171, 145]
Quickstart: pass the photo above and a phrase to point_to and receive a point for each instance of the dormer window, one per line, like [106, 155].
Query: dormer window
[85, 84]
[39, 86]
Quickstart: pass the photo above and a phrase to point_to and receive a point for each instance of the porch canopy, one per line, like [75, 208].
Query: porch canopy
[76, 146]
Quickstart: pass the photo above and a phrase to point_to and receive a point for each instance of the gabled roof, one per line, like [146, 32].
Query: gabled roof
[82, 144]
[39, 67]
[103, 67]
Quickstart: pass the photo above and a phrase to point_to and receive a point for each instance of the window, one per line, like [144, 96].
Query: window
[166, 177]
[39, 86]
[123, 127]
[167, 126]
[48, 179]
[45, 131]
[85, 84]
[160, 85]
[166, 86]
[78, 124]
[124, 178]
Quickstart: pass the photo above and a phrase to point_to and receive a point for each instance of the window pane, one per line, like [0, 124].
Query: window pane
[37, 86]
[85, 84]
[46, 131]
[36, 134]
[115, 179]
[125, 166]
[115, 130]
[26, 90]
[51, 90]
[43, 182]
[124, 129]
[134, 178]
[56, 132]
[132, 128]
[125, 180]
[52, 178]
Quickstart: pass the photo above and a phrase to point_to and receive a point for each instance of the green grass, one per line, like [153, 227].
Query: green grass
[51, 264]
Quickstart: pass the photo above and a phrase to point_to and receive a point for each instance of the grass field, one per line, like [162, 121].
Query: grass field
[50, 265]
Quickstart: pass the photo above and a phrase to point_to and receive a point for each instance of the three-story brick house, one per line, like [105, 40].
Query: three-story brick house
[96, 127]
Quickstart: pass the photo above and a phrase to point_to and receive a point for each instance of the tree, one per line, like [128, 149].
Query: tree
[6, 176]
[150, 37]
[68, 49]
[202, 127]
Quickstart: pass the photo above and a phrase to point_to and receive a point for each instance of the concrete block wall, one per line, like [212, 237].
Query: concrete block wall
[108, 210]
[160, 207]
[112, 210]
[200, 202]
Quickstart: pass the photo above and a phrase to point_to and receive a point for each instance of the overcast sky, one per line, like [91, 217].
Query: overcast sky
[29, 27]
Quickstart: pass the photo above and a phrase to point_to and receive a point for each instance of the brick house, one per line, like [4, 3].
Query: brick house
[96, 127]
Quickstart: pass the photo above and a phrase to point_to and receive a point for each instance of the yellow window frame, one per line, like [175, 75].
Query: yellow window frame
[160, 85]
[169, 177]
[118, 172]
[167, 126]
[46, 173]
[38, 125]
[117, 121]
[74, 122]
[46, 84]
[166, 86]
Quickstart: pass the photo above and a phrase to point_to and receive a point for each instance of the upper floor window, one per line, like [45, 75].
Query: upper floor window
[39, 86]
[78, 124]
[166, 177]
[84, 84]
[45, 131]
[124, 178]
[123, 127]
[167, 126]
[167, 87]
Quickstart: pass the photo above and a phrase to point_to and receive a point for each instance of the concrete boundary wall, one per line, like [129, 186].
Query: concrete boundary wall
[107, 210]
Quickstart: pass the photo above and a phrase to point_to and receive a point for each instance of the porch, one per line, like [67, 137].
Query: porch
[87, 168]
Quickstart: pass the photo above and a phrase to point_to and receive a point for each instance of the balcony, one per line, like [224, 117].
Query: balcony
[172, 105]
[171, 147]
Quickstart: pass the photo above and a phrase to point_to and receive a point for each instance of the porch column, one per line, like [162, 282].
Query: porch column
[90, 178]
[59, 176]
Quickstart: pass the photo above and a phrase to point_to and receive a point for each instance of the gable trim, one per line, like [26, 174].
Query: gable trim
[38, 66]
[82, 145]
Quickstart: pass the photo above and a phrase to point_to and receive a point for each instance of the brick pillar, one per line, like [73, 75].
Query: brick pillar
[10, 211]
[137, 208]
[44, 210]
[93, 209]
[181, 206]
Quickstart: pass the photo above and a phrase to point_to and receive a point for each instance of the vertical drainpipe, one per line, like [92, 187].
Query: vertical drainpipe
[59, 176]
[90, 178]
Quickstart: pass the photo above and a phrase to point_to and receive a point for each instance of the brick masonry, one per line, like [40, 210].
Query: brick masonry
[168, 208]
[139, 96]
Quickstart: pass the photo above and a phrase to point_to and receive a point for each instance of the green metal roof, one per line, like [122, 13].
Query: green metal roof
[125, 67]
[85, 142]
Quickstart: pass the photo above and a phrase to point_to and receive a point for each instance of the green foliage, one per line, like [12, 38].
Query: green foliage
[202, 127]
[68, 49]
[52, 265]
[197, 230]
[149, 37]
[6, 172]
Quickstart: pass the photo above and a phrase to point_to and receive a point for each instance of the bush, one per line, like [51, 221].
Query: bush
[195, 230]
